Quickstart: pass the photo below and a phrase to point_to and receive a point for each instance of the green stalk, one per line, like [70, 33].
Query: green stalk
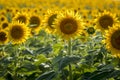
[17, 61]
[69, 47]
[69, 53]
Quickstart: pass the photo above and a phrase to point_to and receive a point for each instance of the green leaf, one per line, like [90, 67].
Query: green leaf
[46, 49]
[92, 51]
[32, 76]
[106, 67]
[41, 58]
[9, 76]
[85, 76]
[68, 60]
[2, 72]
[100, 75]
[56, 49]
[27, 51]
[1, 78]
[115, 73]
[47, 75]
[26, 69]
[56, 61]
[76, 76]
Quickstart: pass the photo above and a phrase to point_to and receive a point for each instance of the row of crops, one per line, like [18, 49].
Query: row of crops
[59, 40]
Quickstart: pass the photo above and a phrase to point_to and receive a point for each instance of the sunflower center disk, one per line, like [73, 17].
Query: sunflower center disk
[34, 22]
[4, 25]
[91, 30]
[22, 19]
[51, 20]
[2, 36]
[17, 32]
[106, 21]
[115, 40]
[2, 19]
[68, 26]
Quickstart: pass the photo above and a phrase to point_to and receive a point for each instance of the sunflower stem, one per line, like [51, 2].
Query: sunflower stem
[69, 47]
[69, 53]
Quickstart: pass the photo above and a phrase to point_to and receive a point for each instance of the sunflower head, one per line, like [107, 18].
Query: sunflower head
[3, 37]
[3, 18]
[68, 24]
[35, 23]
[112, 40]
[84, 13]
[90, 30]
[8, 9]
[22, 17]
[48, 21]
[14, 11]
[26, 9]
[104, 20]
[4, 24]
[18, 32]
[3, 12]
[35, 10]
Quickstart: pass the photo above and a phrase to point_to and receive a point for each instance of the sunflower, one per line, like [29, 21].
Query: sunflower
[9, 10]
[3, 12]
[14, 11]
[35, 23]
[104, 20]
[21, 17]
[18, 32]
[90, 30]
[25, 9]
[35, 10]
[68, 24]
[112, 40]
[3, 37]
[84, 13]
[93, 12]
[88, 22]
[3, 18]
[4, 25]
[48, 21]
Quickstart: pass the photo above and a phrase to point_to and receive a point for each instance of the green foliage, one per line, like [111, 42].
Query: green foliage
[68, 60]
[41, 59]
[47, 76]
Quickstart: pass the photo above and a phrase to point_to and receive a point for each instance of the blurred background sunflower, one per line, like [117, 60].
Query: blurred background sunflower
[35, 23]
[3, 18]
[105, 19]
[112, 40]
[22, 17]
[4, 25]
[48, 21]
[3, 37]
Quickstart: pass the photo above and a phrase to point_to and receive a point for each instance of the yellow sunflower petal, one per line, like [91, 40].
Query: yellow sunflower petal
[18, 32]
[105, 20]
[3, 37]
[48, 21]
[68, 24]
[112, 40]
[21, 17]
[35, 23]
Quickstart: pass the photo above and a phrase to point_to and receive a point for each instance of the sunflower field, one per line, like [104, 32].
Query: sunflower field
[59, 39]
